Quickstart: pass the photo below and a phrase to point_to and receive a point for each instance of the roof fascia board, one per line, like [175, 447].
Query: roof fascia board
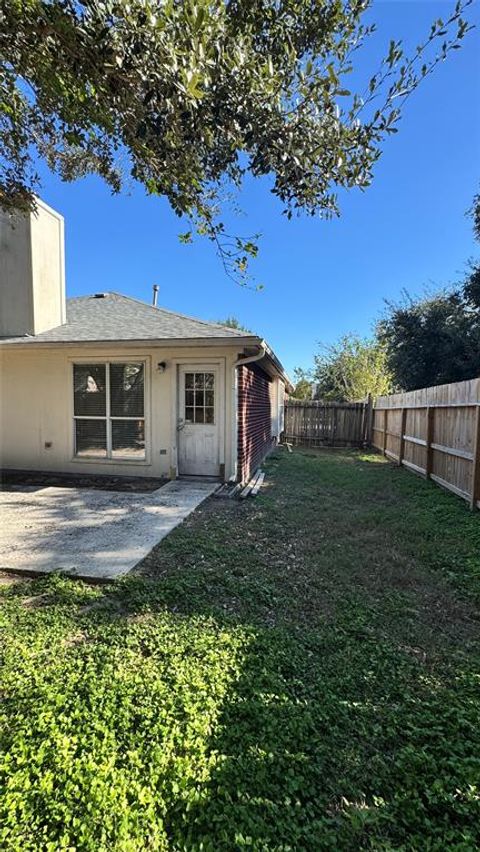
[277, 365]
[164, 342]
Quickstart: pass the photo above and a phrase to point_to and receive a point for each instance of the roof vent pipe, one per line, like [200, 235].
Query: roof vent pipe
[156, 288]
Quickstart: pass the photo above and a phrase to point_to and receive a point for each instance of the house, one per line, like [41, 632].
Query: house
[108, 384]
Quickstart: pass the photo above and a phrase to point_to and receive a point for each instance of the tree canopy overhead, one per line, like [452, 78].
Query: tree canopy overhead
[183, 96]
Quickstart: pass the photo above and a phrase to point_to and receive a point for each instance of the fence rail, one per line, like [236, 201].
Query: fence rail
[315, 423]
[434, 432]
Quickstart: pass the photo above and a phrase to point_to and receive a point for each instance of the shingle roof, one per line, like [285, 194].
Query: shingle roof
[111, 316]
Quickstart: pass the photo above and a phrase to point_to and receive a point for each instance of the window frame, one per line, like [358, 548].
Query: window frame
[107, 418]
[203, 407]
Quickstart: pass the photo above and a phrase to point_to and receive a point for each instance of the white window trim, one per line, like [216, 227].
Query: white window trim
[109, 460]
[196, 372]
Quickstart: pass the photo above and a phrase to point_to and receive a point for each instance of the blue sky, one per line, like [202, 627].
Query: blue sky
[321, 279]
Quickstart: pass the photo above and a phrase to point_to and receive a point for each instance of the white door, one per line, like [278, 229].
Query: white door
[198, 421]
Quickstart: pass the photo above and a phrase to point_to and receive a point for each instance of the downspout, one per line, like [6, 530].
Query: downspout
[240, 363]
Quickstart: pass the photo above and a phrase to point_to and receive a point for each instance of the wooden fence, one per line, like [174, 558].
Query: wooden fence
[315, 423]
[434, 432]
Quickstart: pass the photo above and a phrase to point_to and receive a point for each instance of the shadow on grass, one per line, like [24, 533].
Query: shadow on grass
[273, 739]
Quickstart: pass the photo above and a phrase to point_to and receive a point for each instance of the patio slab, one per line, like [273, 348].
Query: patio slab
[88, 533]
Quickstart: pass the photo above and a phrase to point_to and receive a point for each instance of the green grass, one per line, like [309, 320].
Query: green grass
[294, 672]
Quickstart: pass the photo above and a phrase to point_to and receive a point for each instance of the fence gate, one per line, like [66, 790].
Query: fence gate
[315, 423]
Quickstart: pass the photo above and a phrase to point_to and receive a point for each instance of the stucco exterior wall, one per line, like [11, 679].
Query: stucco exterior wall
[32, 272]
[277, 398]
[36, 407]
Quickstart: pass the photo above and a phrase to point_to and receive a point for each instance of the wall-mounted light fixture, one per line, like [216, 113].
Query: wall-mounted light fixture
[161, 366]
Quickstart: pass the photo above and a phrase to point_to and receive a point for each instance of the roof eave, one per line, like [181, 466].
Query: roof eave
[30, 343]
[277, 366]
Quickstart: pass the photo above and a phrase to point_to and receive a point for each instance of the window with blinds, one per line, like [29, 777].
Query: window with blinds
[109, 410]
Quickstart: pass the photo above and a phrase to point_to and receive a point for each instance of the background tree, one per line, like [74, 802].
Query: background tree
[435, 339]
[351, 369]
[475, 213]
[233, 322]
[186, 97]
[303, 384]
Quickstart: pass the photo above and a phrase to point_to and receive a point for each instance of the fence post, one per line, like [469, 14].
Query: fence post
[430, 424]
[476, 461]
[403, 424]
[368, 415]
[385, 424]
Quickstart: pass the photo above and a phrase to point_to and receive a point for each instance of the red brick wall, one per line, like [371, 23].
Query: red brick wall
[254, 419]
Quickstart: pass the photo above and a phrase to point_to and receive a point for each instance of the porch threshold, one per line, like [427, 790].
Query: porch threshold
[193, 478]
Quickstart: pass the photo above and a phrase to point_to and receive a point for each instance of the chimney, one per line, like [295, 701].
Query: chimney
[32, 272]
[156, 288]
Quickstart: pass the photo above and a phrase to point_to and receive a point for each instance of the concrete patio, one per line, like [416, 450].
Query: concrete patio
[90, 533]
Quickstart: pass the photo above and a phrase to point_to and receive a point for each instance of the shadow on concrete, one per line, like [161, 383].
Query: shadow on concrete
[90, 533]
